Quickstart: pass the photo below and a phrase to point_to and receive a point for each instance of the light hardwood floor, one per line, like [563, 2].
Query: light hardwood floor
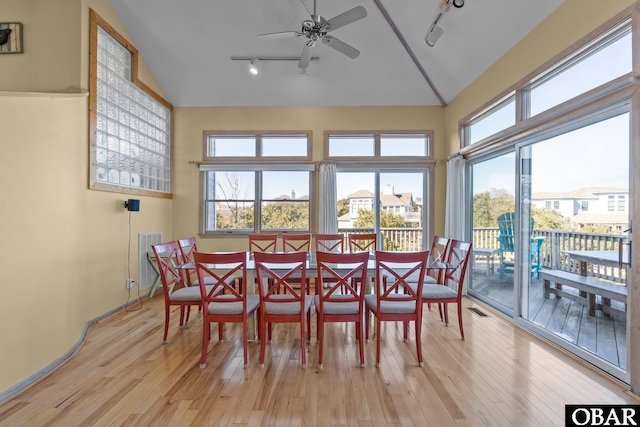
[499, 375]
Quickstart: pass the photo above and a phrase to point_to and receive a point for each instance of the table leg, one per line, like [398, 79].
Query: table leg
[583, 273]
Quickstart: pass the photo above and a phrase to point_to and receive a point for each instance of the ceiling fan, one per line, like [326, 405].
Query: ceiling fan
[318, 28]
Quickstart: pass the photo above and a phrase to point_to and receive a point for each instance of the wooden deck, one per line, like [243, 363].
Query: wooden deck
[603, 336]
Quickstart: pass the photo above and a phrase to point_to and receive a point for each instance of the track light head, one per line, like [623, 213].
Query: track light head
[458, 3]
[433, 36]
[253, 66]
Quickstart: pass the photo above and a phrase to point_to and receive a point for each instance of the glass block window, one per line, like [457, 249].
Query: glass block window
[131, 150]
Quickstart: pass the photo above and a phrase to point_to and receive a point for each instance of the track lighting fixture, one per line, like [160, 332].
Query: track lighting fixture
[253, 66]
[435, 31]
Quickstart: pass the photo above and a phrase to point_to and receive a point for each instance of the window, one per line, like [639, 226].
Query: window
[611, 203]
[547, 204]
[621, 203]
[269, 190]
[565, 80]
[497, 118]
[382, 192]
[130, 125]
[397, 145]
[584, 205]
[583, 71]
[556, 204]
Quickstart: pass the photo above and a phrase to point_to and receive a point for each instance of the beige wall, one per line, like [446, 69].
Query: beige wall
[65, 258]
[191, 122]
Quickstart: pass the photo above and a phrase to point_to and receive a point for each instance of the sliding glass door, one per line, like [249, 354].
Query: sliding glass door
[493, 191]
[573, 208]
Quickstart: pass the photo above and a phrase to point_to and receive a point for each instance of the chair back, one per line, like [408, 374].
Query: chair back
[439, 251]
[263, 242]
[338, 270]
[296, 242]
[187, 248]
[399, 270]
[168, 259]
[506, 232]
[459, 253]
[223, 269]
[329, 242]
[359, 242]
[277, 271]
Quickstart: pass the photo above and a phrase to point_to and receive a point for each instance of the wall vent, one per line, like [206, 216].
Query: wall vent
[147, 274]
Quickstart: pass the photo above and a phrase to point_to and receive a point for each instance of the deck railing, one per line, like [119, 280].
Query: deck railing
[551, 253]
[556, 242]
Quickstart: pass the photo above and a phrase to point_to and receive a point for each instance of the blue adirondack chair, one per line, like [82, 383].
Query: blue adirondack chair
[506, 240]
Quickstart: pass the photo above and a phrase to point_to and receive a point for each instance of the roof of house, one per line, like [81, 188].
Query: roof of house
[581, 193]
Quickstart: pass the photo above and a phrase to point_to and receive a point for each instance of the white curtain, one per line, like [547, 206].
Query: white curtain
[454, 226]
[328, 220]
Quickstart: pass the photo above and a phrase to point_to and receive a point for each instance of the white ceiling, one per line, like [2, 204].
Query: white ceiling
[188, 44]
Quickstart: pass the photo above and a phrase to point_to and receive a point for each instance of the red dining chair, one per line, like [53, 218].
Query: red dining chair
[175, 290]
[344, 300]
[359, 242]
[222, 302]
[330, 242]
[187, 248]
[263, 242]
[296, 242]
[449, 290]
[399, 301]
[294, 306]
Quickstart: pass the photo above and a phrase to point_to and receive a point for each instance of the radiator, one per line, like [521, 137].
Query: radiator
[147, 274]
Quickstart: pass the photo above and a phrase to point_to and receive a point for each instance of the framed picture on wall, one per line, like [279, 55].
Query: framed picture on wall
[11, 37]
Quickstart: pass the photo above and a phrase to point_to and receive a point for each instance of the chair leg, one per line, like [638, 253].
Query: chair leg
[308, 326]
[377, 342]
[405, 331]
[446, 314]
[303, 344]
[440, 310]
[460, 318]
[262, 326]
[245, 345]
[166, 324]
[220, 331]
[188, 312]
[360, 342]
[418, 340]
[205, 341]
[366, 325]
[320, 335]
[181, 316]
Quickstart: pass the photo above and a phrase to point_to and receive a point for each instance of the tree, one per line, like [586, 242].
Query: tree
[488, 206]
[285, 215]
[343, 207]
[387, 220]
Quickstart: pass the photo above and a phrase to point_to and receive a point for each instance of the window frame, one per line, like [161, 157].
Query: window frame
[257, 164]
[96, 21]
[377, 137]
[582, 104]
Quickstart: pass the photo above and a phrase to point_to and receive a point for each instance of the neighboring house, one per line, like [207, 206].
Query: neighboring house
[588, 206]
[396, 203]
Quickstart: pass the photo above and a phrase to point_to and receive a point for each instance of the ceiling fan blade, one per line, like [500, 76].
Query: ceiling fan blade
[305, 58]
[347, 17]
[277, 36]
[341, 46]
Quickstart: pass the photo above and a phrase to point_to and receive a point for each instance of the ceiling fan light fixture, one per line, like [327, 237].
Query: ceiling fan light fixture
[253, 67]
[458, 3]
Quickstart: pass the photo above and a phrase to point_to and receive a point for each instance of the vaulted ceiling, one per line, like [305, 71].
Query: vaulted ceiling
[188, 45]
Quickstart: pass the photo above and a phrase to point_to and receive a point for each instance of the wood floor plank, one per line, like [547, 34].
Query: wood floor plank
[499, 375]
